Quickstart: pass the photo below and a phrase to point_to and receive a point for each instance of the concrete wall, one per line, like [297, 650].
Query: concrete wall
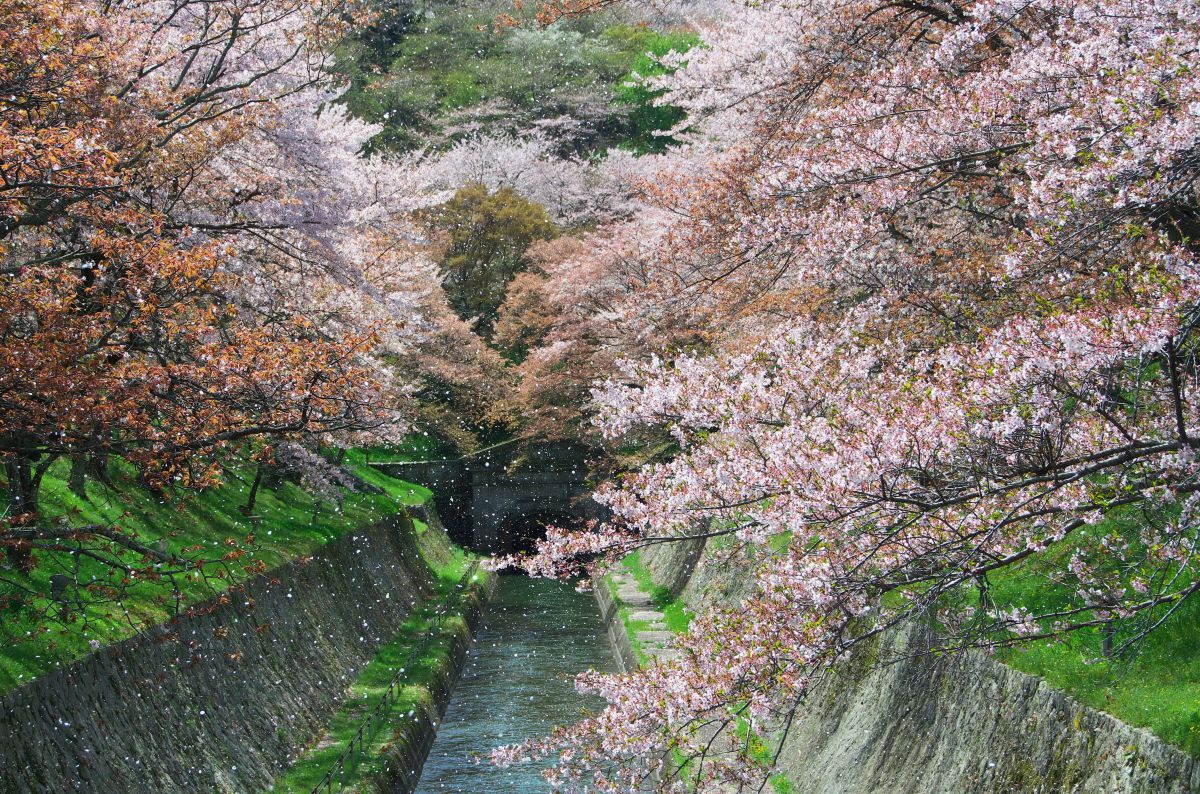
[501, 502]
[219, 702]
[894, 720]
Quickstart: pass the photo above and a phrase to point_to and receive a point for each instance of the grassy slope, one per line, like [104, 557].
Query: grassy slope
[408, 77]
[408, 493]
[1156, 685]
[418, 446]
[676, 615]
[287, 530]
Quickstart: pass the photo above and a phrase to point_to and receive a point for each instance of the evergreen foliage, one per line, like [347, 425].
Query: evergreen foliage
[434, 71]
[489, 234]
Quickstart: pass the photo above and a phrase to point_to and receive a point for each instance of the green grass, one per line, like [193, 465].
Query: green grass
[447, 561]
[416, 446]
[632, 627]
[1156, 685]
[782, 784]
[405, 492]
[366, 693]
[290, 523]
[677, 618]
[761, 753]
[676, 615]
[430, 665]
[647, 117]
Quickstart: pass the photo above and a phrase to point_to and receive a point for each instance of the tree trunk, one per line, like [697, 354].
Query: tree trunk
[84, 465]
[23, 482]
[77, 482]
[248, 508]
[1107, 632]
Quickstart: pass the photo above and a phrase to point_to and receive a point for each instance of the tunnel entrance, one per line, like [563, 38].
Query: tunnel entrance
[499, 501]
[520, 532]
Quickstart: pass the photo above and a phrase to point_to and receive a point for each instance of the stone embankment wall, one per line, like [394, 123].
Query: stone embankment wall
[411, 745]
[218, 702]
[618, 637]
[895, 720]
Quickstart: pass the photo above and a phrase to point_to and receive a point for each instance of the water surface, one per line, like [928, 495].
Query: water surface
[535, 635]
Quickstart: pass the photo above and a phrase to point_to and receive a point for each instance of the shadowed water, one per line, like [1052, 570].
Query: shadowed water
[535, 635]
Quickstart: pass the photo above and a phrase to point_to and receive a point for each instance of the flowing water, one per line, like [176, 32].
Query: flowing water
[535, 635]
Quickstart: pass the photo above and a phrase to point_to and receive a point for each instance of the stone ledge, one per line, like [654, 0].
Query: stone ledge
[407, 755]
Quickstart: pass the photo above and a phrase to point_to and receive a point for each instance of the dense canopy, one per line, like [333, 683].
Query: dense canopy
[892, 304]
[927, 277]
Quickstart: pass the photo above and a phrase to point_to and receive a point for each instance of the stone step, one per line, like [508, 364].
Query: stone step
[647, 615]
[633, 597]
[654, 637]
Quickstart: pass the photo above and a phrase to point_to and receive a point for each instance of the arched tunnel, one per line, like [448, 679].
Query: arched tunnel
[495, 504]
[519, 532]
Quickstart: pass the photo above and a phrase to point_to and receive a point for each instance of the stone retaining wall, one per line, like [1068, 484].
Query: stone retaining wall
[219, 702]
[618, 638]
[895, 720]
[414, 738]
[967, 723]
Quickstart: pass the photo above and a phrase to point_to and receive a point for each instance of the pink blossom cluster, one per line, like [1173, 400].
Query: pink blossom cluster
[917, 307]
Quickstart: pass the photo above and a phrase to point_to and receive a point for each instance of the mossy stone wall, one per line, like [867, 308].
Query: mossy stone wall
[898, 720]
[221, 701]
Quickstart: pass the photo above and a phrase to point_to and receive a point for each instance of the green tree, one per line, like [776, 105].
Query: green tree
[489, 234]
[428, 70]
[645, 118]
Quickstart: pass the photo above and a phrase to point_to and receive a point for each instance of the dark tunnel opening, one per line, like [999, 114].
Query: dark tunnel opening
[520, 532]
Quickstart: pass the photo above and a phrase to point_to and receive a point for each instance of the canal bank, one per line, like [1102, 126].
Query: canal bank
[379, 740]
[404, 754]
[220, 699]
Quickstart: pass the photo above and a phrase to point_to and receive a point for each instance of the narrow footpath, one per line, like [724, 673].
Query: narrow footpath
[654, 640]
[632, 611]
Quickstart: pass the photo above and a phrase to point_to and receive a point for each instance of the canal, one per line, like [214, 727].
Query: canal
[534, 637]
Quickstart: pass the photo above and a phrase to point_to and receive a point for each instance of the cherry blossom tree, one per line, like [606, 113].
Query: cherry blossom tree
[940, 262]
[568, 321]
[573, 191]
[193, 256]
